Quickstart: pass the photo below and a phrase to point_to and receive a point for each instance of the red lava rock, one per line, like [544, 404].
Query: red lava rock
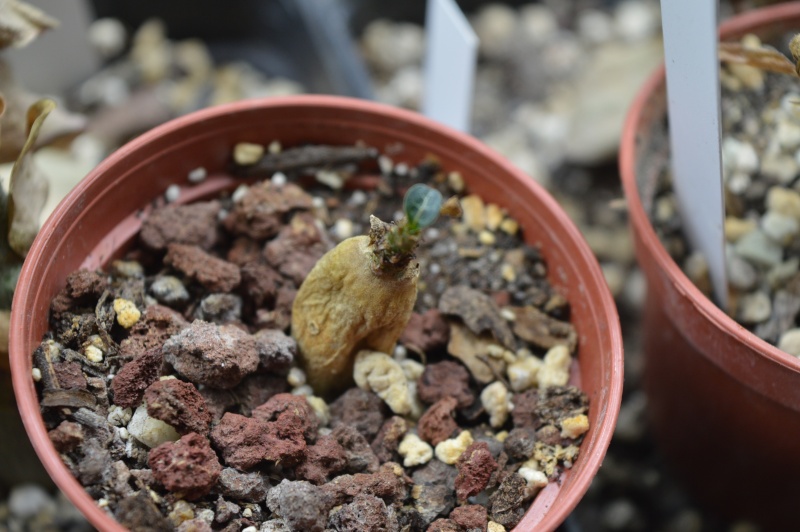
[276, 350]
[427, 332]
[388, 439]
[260, 283]
[83, 287]
[475, 467]
[194, 224]
[362, 409]
[213, 273]
[366, 512]
[218, 356]
[134, 377]
[157, 324]
[444, 379]
[259, 214]
[437, 423]
[289, 405]
[507, 504]
[188, 467]
[298, 247]
[443, 525]
[360, 457]
[389, 483]
[69, 375]
[533, 410]
[322, 460]
[66, 436]
[470, 517]
[179, 404]
[241, 440]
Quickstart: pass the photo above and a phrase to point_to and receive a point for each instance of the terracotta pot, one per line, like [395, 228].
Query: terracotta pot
[101, 216]
[724, 404]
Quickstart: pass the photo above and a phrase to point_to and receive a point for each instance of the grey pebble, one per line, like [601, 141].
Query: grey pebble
[169, 290]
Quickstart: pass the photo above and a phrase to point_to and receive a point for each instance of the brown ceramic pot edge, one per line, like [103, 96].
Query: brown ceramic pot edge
[595, 288]
[775, 374]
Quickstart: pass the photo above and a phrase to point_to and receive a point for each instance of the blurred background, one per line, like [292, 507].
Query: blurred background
[554, 81]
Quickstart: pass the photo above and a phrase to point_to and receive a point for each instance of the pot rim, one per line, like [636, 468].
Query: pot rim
[735, 27]
[27, 399]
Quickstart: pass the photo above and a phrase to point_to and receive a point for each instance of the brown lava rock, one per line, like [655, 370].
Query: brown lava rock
[187, 467]
[215, 274]
[66, 436]
[471, 517]
[216, 356]
[292, 406]
[443, 525]
[259, 214]
[248, 487]
[302, 505]
[359, 454]
[362, 409]
[83, 288]
[297, 248]
[276, 350]
[156, 326]
[389, 483]
[69, 375]
[506, 505]
[388, 439]
[322, 461]
[134, 377]
[426, 332]
[475, 467]
[366, 512]
[138, 512]
[179, 404]
[194, 224]
[260, 283]
[445, 379]
[519, 443]
[437, 423]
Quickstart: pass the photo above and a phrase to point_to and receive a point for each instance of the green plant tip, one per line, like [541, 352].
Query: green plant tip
[421, 205]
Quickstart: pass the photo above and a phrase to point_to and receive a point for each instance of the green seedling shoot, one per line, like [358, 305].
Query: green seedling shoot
[360, 294]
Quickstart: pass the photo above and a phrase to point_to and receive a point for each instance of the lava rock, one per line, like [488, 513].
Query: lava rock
[294, 406]
[193, 224]
[366, 512]
[276, 350]
[214, 274]
[322, 461]
[302, 505]
[362, 409]
[359, 454]
[249, 487]
[188, 467]
[427, 332]
[178, 404]
[134, 377]
[388, 439]
[437, 423]
[475, 467]
[445, 379]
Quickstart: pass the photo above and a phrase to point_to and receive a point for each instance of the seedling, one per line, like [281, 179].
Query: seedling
[360, 294]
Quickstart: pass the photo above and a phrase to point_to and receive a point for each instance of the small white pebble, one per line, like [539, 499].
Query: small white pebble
[435, 268]
[496, 399]
[296, 377]
[401, 169]
[173, 193]
[414, 451]
[247, 513]
[36, 373]
[343, 228]
[385, 164]
[535, 478]
[167, 377]
[574, 426]
[448, 451]
[123, 433]
[240, 192]
[150, 431]
[279, 179]
[523, 373]
[412, 369]
[102, 503]
[198, 175]
[119, 416]
[495, 527]
[247, 153]
[206, 515]
[486, 238]
[400, 352]
[456, 181]
[330, 178]
[431, 233]
[93, 353]
[274, 147]
[359, 197]
[222, 214]
[508, 314]
[377, 372]
[250, 528]
[305, 389]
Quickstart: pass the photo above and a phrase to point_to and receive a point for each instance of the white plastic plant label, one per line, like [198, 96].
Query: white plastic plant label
[693, 97]
[450, 56]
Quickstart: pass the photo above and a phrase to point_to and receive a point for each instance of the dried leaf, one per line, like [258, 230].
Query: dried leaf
[20, 23]
[767, 59]
[473, 351]
[479, 312]
[72, 398]
[533, 325]
[28, 187]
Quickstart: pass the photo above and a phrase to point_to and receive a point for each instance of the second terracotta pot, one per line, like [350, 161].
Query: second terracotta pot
[724, 404]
